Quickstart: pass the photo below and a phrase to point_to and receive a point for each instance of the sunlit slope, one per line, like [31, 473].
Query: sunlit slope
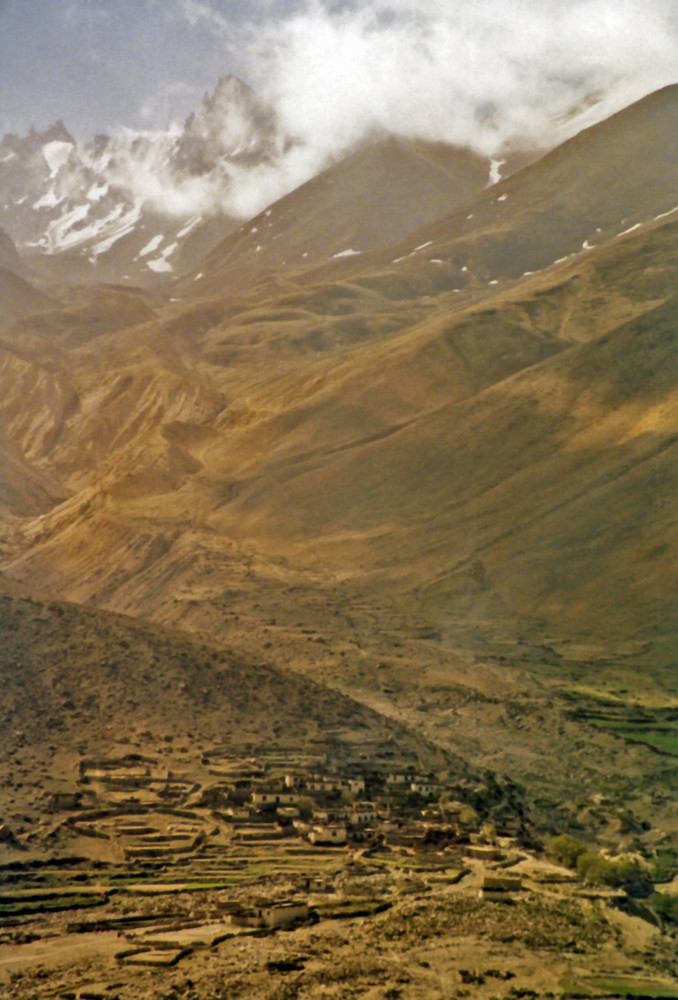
[514, 456]
[505, 447]
[550, 491]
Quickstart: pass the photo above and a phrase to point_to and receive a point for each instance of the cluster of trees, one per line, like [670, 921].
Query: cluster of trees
[628, 872]
[594, 868]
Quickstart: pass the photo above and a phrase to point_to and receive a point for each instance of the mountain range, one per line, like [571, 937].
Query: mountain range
[408, 430]
[143, 207]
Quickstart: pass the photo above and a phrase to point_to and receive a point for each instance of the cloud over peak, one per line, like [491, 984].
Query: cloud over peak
[487, 74]
[484, 73]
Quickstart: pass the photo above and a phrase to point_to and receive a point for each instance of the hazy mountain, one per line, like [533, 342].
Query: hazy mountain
[231, 123]
[133, 206]
[366, 202]
[143, 208]
[625, 176]
[18, 297]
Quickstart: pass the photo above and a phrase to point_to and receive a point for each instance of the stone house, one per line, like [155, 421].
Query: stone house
[331, 815]
[287, 814]
[500, 888]
[425, 788]
[283, 913]
[64, 801]
[398, 779]
[321, 783]
[363, 813]
[328, 834]
[262, 797]
[484, 852]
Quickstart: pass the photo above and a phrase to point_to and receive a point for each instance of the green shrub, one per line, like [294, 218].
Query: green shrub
[595, 869]
[468, 818]
[664, 866]
[666, 905]
[599, 870]
[305, 806]
[566, 850]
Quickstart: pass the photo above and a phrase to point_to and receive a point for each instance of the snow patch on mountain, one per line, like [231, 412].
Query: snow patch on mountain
[189, 227]
[495, 171]
[665, 215]
[59, 234]
[161, 264]
[97, 192]
[631, 229]
[152, 245]
[125, 225]
[49, 200]
[56, 194]
[56, 154]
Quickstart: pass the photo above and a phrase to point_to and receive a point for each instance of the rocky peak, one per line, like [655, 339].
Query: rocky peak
[232, 123]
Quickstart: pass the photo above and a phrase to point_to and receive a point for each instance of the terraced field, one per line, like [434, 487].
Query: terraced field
[655, 726]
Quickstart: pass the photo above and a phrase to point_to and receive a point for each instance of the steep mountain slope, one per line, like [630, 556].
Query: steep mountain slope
[625, 176]
[23, 489]
[9, 255]
[66, 668]
[139, 208]
[393, 468]
[19, 298]
[375, 461]
[365, 202]
[509, 494]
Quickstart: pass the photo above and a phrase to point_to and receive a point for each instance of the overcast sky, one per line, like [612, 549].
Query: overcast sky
[442, 68]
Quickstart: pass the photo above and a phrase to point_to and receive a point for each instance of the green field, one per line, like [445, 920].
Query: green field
[619, 986]
[653, 726]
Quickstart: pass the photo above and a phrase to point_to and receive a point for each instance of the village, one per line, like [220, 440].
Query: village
[148, 871]
[277, 795]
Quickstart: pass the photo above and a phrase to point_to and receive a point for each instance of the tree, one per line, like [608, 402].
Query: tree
[666, 905]
[599, 870]
[305, 806]
[468, 818]
[564, 849]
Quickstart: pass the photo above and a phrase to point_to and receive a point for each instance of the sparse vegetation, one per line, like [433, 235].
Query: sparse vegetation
[664, 866]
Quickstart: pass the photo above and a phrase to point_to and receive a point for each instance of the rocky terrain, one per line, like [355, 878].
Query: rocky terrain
[376, 486]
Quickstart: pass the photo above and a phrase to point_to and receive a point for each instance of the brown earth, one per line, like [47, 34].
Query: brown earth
[423, 489]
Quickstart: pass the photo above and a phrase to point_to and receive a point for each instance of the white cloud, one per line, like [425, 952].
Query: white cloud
[482, 73]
